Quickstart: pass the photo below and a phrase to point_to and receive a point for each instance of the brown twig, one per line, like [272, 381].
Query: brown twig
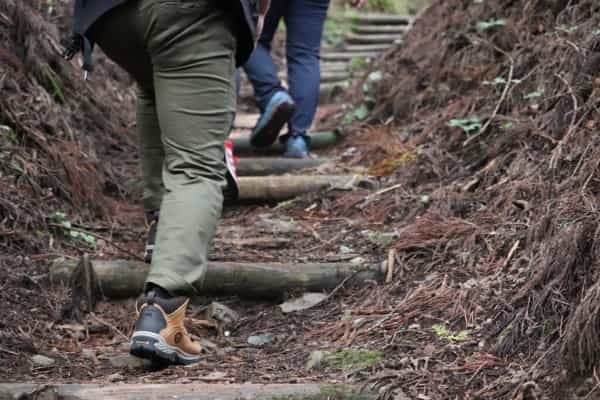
[373, 196]
[341, 285]
[595, 387]
[573, 124]
[390, 266]
[587, 181]
[3, 350]
[109, 325]
[511, 253]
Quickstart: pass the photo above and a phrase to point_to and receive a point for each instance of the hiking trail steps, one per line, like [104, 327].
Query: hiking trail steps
[368, 36]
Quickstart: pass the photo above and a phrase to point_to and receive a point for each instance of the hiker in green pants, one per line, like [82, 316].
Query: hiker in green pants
[182, 54]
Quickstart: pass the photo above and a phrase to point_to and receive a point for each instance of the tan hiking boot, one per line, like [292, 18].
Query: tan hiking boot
[160, 334]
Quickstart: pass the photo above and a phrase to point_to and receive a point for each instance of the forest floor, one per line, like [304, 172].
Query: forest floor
[481, 136]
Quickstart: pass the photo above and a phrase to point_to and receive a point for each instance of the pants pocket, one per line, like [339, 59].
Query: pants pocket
[176, 12]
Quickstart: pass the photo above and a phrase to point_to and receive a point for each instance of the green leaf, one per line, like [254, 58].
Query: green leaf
[534, 94]
[489, 24]
[361, 113]
[468, 125]
[446, 334]
[497, 81]
[375, 76]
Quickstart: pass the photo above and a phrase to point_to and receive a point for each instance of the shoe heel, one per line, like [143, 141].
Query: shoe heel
[268, 133]
[145, 347]
[149, 348]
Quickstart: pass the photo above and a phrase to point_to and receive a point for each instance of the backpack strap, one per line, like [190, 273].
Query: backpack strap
[262, 7]
[80, 43]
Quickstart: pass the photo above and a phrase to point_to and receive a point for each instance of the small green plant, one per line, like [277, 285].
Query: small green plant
[358, 114]
[372, 79]
[66, 227]
[468, 125]
[357, 64]
[381, 6]
[490, 23]
[9, 133]
[447, 335]
[566, 29]
[349, 359]
[499, 81]
[535, 94]
[53, 84]
[335, 29]
[383, 239]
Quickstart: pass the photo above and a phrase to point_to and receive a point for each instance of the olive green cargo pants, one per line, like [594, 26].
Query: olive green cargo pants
[181, 54]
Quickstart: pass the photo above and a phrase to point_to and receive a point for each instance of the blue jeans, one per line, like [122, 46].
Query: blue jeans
[304, 21]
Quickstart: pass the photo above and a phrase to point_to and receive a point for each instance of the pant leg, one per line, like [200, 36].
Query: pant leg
[192, 48]
[305, 20]
[132, 56]
[260, 68]
[151, 150]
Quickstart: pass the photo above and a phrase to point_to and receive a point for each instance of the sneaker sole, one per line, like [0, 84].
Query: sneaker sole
[151, 346]
[269, 133]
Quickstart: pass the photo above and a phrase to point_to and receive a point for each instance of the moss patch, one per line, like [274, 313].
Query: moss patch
[349, 359]
[331, 392]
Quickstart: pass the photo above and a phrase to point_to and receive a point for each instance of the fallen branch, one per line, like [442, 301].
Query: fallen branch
[122, 279]
[373, 196]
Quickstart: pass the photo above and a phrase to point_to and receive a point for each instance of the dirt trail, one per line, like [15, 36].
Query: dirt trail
[36, 345]
[480, 131]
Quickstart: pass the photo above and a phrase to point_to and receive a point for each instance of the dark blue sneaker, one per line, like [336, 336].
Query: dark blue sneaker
[280, 109]
[296, 147]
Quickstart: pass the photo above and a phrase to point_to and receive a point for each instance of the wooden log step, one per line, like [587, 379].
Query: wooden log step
[352, 38]
[381, 19]
[192, 391]
[125, 279]
[245, 121]
[380, 29]
[329, 90]
[332, 76]
[334, 66]
[280, 188]
[275, 166]
[247, 95]
[366, 47]
[326, 76]
[347, 56]
[319, 140]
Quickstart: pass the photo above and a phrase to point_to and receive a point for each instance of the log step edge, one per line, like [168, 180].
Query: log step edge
[183, 392]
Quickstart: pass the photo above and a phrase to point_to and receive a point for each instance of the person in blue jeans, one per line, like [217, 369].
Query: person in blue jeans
[304, 21]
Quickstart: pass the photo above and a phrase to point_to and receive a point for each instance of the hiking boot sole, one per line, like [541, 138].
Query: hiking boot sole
[151, 346]
[269, 133]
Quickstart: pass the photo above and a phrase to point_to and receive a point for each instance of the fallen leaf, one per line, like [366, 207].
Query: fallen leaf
[308, 300]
